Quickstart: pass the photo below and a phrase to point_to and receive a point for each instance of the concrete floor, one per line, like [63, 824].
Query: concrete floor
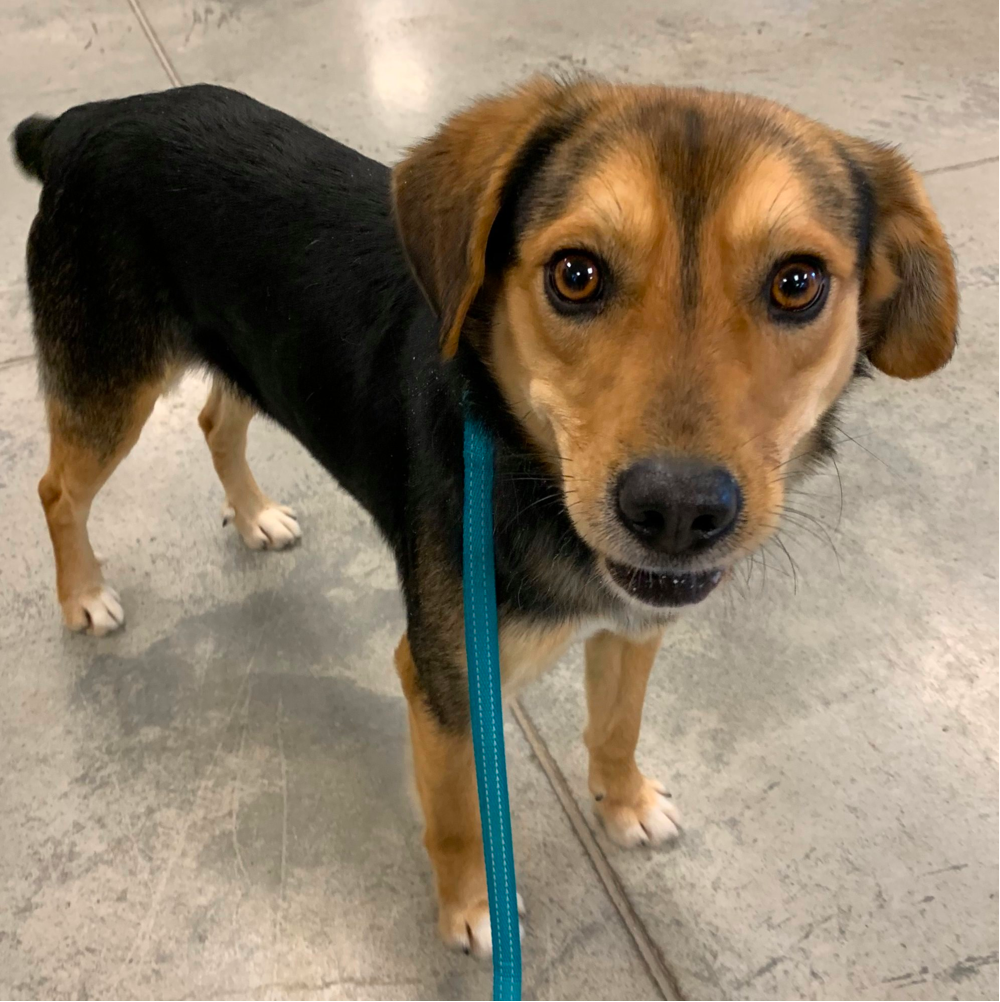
[214, 803]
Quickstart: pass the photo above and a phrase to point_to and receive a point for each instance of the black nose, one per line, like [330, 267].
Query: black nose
[678, 507]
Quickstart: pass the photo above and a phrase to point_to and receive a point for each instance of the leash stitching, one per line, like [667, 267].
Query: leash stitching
[478, 492]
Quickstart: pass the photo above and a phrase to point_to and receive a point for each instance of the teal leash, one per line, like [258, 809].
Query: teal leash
[482, 649]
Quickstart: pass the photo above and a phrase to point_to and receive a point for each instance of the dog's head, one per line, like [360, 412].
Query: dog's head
[671, 289]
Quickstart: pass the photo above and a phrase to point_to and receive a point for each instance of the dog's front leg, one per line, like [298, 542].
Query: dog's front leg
[635, 810]
[445, 771]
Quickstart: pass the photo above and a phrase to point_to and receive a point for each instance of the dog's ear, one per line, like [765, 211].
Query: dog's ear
[447, 193]
[909, 296]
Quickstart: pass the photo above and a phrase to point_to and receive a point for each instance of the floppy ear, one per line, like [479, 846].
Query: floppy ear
[447, 193]
[909, 297]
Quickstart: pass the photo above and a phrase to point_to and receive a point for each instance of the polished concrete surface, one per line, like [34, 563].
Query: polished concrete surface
[214, 803]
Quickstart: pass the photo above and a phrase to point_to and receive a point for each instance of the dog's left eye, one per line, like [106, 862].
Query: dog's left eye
[798, 289]
[573, 278]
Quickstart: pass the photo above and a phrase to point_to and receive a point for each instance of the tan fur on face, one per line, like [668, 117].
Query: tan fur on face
[568, 381]
[771, 383]
[692, 198]
[642, 378]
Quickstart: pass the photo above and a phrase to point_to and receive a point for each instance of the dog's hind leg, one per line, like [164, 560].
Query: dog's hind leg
[85, 447]
[263, 524]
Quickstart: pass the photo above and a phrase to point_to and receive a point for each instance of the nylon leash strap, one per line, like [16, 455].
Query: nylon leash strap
[482, 649]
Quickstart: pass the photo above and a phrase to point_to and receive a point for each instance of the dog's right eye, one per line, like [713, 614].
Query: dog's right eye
[573, 279]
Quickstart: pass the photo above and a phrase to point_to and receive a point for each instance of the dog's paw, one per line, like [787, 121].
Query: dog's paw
[467, 927]
[95, 612]
[647, 819]
[273, 527]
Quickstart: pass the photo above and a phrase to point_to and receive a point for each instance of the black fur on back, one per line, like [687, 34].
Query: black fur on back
[200, 226]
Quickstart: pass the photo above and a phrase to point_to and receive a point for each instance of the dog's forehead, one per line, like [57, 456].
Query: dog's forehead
[623, 157]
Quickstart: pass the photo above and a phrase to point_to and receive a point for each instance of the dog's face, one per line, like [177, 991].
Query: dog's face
[672, 289]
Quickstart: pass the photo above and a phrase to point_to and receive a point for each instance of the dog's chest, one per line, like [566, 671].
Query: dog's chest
[529, 648]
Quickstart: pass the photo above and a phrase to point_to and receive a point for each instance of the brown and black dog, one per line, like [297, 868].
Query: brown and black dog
[653, 299]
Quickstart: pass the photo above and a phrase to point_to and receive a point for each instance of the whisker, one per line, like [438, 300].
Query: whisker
[851, 438]
[791, 563]
[824, 539]
[840, 484]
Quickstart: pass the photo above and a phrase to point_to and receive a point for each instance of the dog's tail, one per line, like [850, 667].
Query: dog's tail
[29, 140]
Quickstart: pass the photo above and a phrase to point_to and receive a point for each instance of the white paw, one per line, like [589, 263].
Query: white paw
[272, 528]
[649, 819]
[468, 929]
[96, 612]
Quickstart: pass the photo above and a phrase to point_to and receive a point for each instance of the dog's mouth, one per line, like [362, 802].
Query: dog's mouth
[664, 588]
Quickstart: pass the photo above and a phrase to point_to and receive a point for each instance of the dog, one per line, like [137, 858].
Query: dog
[652, 298]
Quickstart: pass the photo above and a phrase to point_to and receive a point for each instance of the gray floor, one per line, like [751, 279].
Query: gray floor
[214, 803]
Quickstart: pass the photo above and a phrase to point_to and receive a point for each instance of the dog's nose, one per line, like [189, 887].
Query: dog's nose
[678, 506]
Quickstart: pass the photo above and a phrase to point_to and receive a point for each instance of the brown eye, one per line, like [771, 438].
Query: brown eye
[574, 278]
[798, 287]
